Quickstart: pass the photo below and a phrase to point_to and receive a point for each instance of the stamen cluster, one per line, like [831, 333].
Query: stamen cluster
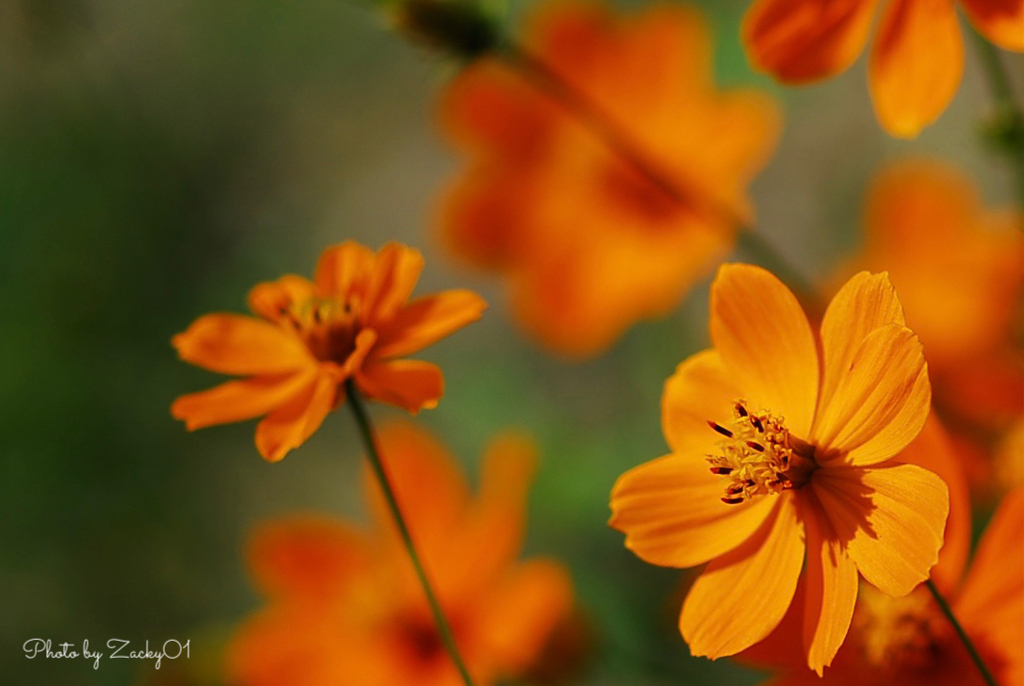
[758, 455]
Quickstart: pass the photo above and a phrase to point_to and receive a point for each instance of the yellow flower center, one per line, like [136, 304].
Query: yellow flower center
[759, 456]
[899, 632]
[327, 325]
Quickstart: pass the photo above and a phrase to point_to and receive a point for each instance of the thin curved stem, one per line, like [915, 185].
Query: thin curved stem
[373, 454]
[620, 142]
[964, 638]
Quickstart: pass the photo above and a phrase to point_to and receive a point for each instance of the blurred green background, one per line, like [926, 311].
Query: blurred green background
[158, 159]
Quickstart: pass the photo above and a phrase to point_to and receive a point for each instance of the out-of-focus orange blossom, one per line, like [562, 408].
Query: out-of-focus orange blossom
[345, 606]
[353, 321]
[781, 444]
[587, 242]
[916, 61]
[959, 270]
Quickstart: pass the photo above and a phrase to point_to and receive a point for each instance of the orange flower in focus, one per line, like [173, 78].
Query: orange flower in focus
[916, 61]
[346, 607]
[959, 269]
[352, 321]
[908, 641]
[588, 242]
[781, 443]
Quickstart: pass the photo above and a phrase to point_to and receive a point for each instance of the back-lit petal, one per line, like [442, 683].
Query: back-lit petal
[830, 592]
[427, 320]
[699, 391]
[865, 303]
[342, 268]
[410, 384]
[890, 518]
[803, 40]
[880, 404]
[767, 346]
[290, 424]
[741, 596]
[933, 450]
[916, 64]
[396, 270]
[672, 513]
[239, 400]
[236, 344]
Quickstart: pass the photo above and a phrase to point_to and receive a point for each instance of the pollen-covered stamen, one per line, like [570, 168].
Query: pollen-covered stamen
[759, 456]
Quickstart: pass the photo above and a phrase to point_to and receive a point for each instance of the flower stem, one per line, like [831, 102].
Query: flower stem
[373, 454]
[619, 141]
[946, 610]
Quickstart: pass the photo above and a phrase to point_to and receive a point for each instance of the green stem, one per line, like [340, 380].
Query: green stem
[373, 454]
[946, 610]
[619, 141]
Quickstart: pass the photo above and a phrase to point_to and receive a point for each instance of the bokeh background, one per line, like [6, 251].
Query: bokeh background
[158, 159]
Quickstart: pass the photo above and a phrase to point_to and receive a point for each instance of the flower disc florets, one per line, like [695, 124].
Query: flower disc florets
[759, 456]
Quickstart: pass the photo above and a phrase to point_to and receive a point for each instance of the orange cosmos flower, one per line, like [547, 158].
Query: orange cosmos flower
[796, 459]
[907, 641]
[916, 61]
[548, 202]
[352, 321]
[346, 607]
[960, 273]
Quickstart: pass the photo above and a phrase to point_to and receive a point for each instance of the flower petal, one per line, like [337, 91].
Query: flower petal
[934, 451]
[699, 391]
[237, 344]
[891, 519]
[430, 489]
[741, 596]
[803, 41]
[518, 616]
[309, 557]
[831, 592]
[764, 339]
[394, 275]
[409, 384]
[492, 534]
[916, 64]
[272, 299]
[427, 320]
[239, 400]
[672, 513]
[865, 303]
[291, 424]
[880, 404]
[1001, 21]
[342, 268]
[995, 579]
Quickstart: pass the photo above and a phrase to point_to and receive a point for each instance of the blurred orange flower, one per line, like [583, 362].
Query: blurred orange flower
[589, 241]
[917, 59]
[898, 641]
[959, 269]
[351, 322]
[797, 456]
[347, 608]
